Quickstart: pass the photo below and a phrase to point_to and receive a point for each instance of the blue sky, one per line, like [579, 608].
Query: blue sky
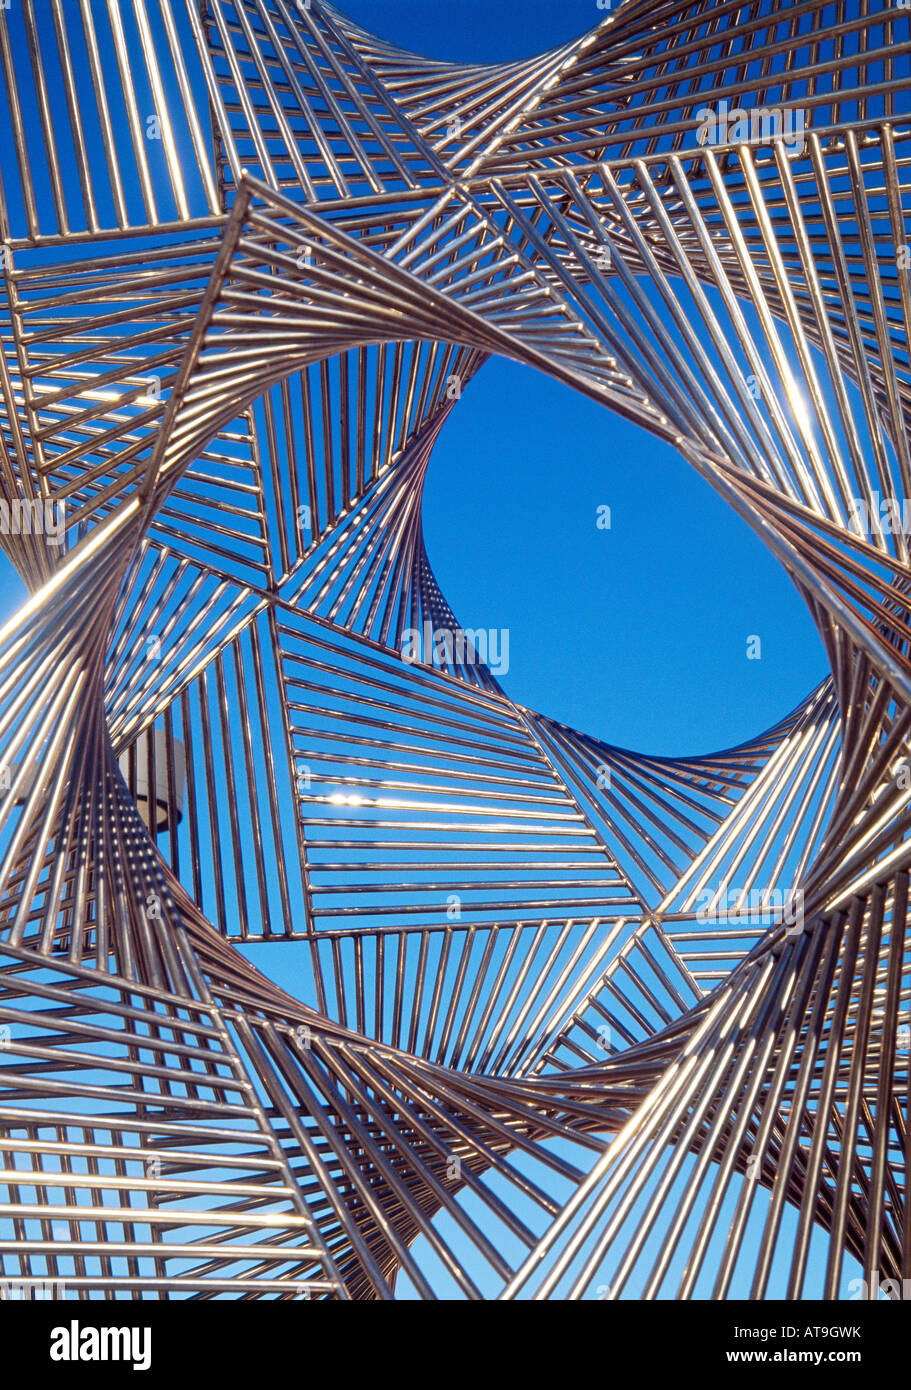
[638, 633]
[476, 31]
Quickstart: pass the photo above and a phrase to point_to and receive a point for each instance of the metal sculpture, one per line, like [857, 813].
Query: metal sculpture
[659, 1047]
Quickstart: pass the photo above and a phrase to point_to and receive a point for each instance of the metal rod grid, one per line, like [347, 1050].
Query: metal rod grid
[564, 1033]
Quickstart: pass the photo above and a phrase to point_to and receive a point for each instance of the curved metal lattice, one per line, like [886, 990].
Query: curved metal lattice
[566, 1020]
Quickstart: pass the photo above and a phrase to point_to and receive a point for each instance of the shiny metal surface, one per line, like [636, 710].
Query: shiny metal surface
[566, 1021]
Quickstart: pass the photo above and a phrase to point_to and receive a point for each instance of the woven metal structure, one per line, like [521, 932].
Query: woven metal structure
[558, 1020]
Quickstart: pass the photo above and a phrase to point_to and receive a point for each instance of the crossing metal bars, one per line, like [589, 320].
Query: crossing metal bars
[558, 1020]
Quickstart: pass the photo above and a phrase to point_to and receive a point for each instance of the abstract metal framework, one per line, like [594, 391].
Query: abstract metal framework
[252, 256]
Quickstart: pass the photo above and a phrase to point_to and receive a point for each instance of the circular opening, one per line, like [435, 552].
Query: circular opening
[639, 607]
